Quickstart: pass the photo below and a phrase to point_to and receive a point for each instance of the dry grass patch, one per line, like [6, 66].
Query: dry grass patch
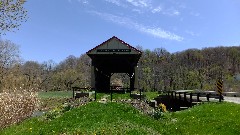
[15, 107]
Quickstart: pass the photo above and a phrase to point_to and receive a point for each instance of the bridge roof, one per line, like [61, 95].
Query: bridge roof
[114, 45]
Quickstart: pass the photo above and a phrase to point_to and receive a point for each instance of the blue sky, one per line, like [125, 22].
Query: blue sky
[59, 28]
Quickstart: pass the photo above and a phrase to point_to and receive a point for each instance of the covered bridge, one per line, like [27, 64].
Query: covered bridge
[113, 56]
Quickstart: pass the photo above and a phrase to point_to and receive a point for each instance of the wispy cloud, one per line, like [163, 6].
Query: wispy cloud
[157, 9]
[116, 2]
[83, 1]
[140, 3]
[154, 31]
[195, 14]
[191, 33]
[137, 6]
[171, 12]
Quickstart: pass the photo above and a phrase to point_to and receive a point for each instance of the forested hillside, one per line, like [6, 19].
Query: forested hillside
[158, 70]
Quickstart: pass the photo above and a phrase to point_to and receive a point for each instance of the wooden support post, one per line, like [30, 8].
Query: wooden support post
[93, 75]
[172, 94]
[191, 98]
[220, 97]
[179, 95]
[208, 96]
[175, 95]
[185, 98]
[73, 93]
[136, 77]
[111, 93]
[129, 91]
[141, 93]
[95, 95]
[198, 94]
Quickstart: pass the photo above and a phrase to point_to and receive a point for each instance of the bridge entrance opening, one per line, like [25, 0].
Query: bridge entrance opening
[113, 56]
[120, 81]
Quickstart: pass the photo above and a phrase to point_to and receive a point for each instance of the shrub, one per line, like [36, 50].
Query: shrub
[159, 111]
[15, 107]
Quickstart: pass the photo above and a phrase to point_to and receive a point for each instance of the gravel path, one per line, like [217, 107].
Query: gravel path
[232, 99]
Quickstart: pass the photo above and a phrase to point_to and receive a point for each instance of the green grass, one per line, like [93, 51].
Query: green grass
[111, 118]
[151, 95]
[115, 118]
[68, 94]
[53, 99]
[55, 94]
[206, 119]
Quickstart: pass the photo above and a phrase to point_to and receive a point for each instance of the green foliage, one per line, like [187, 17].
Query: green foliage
[115, 118]
[110, 118]
[157, 69]
[151, 95]
[158, 112]
[57, 112]
[55, 94]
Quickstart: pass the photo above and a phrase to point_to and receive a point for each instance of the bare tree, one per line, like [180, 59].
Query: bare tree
[12, 14]
[9, 56]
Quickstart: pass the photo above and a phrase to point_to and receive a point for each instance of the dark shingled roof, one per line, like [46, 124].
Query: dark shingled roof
[114, 37]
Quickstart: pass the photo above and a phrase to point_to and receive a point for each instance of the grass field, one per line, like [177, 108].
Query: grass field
[115, 118]
[68, 94]
[55, 94]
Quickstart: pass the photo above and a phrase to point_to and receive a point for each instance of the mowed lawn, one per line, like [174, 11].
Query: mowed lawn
[115, 118]
[55, 94]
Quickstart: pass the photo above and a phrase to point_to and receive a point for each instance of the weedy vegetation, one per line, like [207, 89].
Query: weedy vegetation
[125, 116]
[16, 107]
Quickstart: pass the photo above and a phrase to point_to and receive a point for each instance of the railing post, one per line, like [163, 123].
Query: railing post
[95, 94]
[220, 97]
[73, 92]
[129, 91]
[141, 93]
[111, 93]
[208, 96]
[198, 94]
[191, 98]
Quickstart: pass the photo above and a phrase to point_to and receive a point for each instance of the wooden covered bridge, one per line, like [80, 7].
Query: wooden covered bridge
[113, 56]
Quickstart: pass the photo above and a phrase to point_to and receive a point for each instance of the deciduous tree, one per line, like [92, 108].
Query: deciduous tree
[12, 14]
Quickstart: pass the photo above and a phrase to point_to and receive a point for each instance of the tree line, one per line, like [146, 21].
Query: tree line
[158, 70]
[190, 69]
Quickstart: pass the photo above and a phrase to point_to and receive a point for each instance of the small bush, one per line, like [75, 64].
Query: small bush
[15, 107]
[57, 112]
[159, 111]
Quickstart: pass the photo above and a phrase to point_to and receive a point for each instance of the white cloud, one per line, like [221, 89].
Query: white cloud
[154, 31]
[157, 9]
[116, 2]
[176, 12]
[150, 7]
[83, 1]
[139, 3]
[160, 33]
[171, 12]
